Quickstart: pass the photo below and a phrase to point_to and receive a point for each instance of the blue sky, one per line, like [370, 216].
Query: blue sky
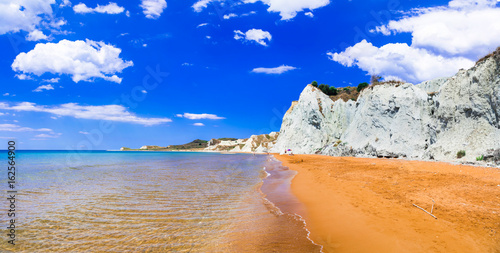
[102, 75]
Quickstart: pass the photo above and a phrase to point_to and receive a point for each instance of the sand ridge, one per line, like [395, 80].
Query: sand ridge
[366, 205]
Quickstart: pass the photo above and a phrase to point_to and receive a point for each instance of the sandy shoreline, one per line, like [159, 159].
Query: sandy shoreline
[366, 204]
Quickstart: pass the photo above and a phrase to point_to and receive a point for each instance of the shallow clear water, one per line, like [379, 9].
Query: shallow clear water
[151, 202]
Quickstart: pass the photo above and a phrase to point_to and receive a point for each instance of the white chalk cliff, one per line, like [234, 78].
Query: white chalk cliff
[431, 120]
[256, 143]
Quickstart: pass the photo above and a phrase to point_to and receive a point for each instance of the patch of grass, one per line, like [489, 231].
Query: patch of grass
[460, 154]
[480, 158]
[346, 94]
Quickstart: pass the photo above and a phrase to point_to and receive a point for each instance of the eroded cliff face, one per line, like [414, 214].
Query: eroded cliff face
[431, 120]
[313, 122]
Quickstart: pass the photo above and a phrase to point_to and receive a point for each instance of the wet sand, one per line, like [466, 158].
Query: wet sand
[270, 224]
[366, 205]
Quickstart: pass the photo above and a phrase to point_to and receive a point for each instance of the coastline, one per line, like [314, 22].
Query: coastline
[366, 204]
[457, 162]
[272, 222]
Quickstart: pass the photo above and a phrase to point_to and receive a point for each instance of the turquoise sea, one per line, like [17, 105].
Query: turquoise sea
[105, 201]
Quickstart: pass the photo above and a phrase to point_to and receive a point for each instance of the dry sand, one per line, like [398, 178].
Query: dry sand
[366, 205]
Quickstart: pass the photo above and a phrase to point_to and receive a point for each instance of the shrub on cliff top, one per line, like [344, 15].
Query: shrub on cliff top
[315, 84]
[332, 91]
[324, 88]
[345, 93]
[328, 90]
[361, 86]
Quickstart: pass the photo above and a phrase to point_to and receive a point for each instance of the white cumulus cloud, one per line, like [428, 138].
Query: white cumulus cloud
[202, 4]
[198, 124]
[36, 35]
[18, 15]
[278, 70]
[110, 8]
[43, 87]
[288, 9]
[194, 116]
[153, 8]
[444, 40]
[257, 35]
[65, 3]
[24, 77]
[82, 60]
[468, 28]
[472, 3]
[51, 80]
[117, 113]
[399, 60]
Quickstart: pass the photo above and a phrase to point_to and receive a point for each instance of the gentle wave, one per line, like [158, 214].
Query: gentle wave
[296, 215]
[293, 214]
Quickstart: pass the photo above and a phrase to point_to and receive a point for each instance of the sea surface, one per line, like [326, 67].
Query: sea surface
[104, 201]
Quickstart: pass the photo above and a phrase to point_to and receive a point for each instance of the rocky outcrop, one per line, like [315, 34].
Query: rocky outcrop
[256, 143]
[431, 120]
[213, 142]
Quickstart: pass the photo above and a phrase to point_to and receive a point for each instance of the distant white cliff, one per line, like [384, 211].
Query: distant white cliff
[431, 120]
[256, 143]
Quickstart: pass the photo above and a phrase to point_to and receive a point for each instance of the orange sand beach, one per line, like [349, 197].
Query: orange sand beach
[366, 205]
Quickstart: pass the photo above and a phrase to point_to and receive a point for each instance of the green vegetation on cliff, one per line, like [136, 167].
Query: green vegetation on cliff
[196, 144]
[227, 139]
[346, 93]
